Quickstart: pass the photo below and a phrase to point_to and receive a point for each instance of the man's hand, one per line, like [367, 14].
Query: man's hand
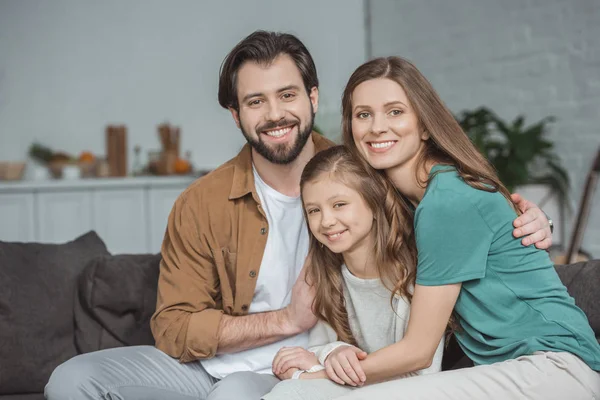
[343, 366]
[532, 225]
[293, 358]
[299, 312]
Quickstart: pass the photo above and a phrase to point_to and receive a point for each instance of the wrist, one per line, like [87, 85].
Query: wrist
[297, 374]
[314, 375]
[550, 222]
[287, 324]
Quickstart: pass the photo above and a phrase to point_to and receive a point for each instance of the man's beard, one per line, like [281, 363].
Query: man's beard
[280, 154]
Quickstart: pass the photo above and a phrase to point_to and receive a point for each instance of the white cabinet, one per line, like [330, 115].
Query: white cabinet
[161, 202]
[62, 216]
[120, 218]
[129, 214]
[16, 217]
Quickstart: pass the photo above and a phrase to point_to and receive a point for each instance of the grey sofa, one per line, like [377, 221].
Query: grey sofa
[60, 300]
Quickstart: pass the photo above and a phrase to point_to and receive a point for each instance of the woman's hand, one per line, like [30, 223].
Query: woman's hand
[343, 366]
[293, 357]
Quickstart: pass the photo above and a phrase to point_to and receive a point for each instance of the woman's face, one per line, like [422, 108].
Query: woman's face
[338, 216]
[384, 125]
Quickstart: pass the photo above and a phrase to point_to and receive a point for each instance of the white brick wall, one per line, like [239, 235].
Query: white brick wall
[533, 57]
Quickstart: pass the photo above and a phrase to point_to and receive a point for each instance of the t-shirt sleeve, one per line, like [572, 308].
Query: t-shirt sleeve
[453, 240]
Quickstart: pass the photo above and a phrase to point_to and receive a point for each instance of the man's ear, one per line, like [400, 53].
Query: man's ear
[314, 98]
[236, 116]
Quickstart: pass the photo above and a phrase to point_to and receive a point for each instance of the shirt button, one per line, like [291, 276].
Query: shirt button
[244, 307]
[252, 274]
[263, 231]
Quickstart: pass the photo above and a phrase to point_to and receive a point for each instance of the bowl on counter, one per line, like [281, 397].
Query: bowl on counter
[11, 170]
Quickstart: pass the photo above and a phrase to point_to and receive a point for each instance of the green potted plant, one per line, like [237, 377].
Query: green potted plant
[521, 154]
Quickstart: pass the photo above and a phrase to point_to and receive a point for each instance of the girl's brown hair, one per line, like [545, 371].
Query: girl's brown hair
[394, 252]
[447, 143]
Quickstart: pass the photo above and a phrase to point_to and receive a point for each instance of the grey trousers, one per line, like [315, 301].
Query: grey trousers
[146, 373]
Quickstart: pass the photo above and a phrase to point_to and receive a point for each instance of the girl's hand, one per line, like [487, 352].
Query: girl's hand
[288, 374]
[293, 357]
[343, 366]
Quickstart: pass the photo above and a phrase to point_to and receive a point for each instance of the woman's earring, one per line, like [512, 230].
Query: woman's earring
[321, 244]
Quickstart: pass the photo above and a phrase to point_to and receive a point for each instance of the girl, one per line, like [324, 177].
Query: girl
[362, 272]
[514, 318]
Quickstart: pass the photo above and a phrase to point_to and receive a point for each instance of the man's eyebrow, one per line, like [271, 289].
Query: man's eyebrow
[288, 87]
[251, 95]
[258, 94]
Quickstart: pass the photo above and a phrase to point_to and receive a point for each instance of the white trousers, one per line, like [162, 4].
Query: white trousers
[543, 376]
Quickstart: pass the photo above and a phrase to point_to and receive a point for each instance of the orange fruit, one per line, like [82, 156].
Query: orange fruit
[181, 166]
[87, 157]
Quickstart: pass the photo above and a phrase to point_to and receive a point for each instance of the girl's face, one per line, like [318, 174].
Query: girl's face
[337, 215]
[384, 126]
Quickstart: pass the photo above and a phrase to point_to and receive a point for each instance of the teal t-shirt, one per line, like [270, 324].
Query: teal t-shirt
[512, 302]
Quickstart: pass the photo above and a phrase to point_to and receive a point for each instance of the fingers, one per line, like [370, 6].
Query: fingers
[348, 369]
[535, 237]
[533, 226]
[523, 204]
[293, 357]
[347, 365]
[357, 374]
[332, 375]
[544, 244]
[277, 360]
[526, 218]
[285, 354]
[300, 361]
[340, 371]
[287, 362]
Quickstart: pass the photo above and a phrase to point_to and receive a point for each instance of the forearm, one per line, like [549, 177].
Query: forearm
[254, 330]
[394, 361]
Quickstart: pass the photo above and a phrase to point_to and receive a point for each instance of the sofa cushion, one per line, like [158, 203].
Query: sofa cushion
[37, 286]
[27, 396]
[583, 284]
[116, 296]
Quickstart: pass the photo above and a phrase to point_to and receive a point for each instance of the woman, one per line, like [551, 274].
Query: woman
[514, 317]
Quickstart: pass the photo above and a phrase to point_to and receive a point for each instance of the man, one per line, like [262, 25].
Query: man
[229, 295]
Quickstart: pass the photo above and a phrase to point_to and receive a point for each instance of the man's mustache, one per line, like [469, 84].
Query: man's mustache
[274, 125]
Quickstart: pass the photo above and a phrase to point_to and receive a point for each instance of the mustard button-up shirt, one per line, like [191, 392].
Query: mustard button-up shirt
[211, 255]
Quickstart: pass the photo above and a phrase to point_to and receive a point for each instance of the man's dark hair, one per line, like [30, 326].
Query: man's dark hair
[263, 47]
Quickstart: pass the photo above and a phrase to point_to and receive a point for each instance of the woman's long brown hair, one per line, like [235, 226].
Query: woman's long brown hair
[394, 253]
[448, 143]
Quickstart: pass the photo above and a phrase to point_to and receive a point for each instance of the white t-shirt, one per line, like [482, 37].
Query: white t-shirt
[284, 256]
